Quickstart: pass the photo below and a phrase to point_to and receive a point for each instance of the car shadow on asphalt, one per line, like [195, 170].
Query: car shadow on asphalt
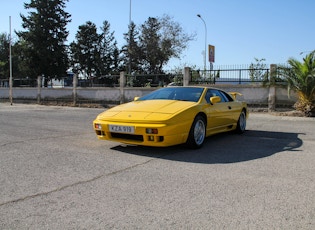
[224, 148]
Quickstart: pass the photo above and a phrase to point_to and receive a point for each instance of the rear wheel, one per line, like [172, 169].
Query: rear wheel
[241, 123]
[197, 133]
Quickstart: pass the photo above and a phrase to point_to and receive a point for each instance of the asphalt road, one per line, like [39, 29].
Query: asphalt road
[55, 174]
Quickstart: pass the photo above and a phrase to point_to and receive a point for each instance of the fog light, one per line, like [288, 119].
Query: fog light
[97, 126]
[151, 131]
[151, 138]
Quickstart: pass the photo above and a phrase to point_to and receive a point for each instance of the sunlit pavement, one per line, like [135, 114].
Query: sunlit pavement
[55, 174]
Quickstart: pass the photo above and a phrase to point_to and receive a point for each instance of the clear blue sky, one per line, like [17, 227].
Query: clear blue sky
[240, 30]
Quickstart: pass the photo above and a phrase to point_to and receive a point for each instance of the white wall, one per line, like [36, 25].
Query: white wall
[252, 94]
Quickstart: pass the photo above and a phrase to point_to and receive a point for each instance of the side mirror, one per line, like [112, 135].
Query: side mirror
[136, 98]
[215, 99]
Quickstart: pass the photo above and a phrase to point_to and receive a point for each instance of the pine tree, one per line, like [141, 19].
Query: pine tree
[86, 50]
[132, 54]
[109, 53]
[45, 36]
[151, 46]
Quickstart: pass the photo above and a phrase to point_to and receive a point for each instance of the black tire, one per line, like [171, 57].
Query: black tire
[241, 123]
[197, 133]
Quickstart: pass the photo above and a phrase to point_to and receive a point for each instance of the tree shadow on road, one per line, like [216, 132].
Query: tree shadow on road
[224, 148]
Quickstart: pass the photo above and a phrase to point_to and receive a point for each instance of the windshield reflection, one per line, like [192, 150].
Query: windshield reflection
[174, 93]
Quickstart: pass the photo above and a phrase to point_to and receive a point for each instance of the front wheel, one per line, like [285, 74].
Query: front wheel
[197, 133]
[241, 123]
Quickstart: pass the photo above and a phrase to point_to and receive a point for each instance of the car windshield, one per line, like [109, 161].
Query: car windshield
[175, 93]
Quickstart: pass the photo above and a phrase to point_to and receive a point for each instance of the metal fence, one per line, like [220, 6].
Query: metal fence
[20, 82]
[230, 76]
[220, 75]
[153, 80]
[134, 80]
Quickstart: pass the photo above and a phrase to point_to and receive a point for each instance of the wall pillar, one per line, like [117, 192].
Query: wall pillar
[272, 89]
[74, 89]
[186, 77]
[39, 89]
[122, 83]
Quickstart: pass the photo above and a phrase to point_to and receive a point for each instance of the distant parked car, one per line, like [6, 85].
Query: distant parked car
[171, 116]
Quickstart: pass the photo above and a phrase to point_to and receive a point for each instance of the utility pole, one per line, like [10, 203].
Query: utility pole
[129, 48]
[205, 51]
[10, 60]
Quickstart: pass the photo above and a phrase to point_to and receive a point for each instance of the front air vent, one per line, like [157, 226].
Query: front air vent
[127, 136]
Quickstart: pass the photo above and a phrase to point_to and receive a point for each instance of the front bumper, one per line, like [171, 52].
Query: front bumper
[168, 134]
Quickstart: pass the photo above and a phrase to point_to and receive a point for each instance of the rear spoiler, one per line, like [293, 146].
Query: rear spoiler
[234, 94]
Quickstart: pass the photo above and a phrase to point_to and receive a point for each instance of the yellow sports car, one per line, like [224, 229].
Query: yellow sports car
[172, 116]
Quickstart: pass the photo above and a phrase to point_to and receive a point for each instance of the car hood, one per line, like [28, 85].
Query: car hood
[153, 110]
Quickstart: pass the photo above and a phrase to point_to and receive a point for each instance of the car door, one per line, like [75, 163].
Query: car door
[219, 115]
[232, 108]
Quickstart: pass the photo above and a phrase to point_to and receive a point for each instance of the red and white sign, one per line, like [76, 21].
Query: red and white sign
[211, 52]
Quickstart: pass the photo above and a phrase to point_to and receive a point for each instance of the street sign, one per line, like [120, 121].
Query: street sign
[211, 52]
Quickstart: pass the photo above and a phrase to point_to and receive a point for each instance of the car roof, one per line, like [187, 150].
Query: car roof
[193, 86]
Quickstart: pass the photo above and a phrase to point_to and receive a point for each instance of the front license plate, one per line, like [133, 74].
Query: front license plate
[121, 129]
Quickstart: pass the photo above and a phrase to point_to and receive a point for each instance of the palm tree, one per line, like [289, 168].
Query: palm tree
[300, 77]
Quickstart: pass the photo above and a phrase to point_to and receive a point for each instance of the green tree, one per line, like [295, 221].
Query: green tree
[85, 51]
[4, 56]
[175, 40]
[131, 52]
[258, 71]
[151, 46]
[94, 54]
[44, 38]
[21, 59]
[160, 40]
[300, 77]
[109, 53]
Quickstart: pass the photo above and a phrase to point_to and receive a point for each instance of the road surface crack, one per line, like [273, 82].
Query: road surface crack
[76, 183]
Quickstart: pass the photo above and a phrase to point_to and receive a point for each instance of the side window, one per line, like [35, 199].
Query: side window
[226, 96]
[208, 95]
[212, 93]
